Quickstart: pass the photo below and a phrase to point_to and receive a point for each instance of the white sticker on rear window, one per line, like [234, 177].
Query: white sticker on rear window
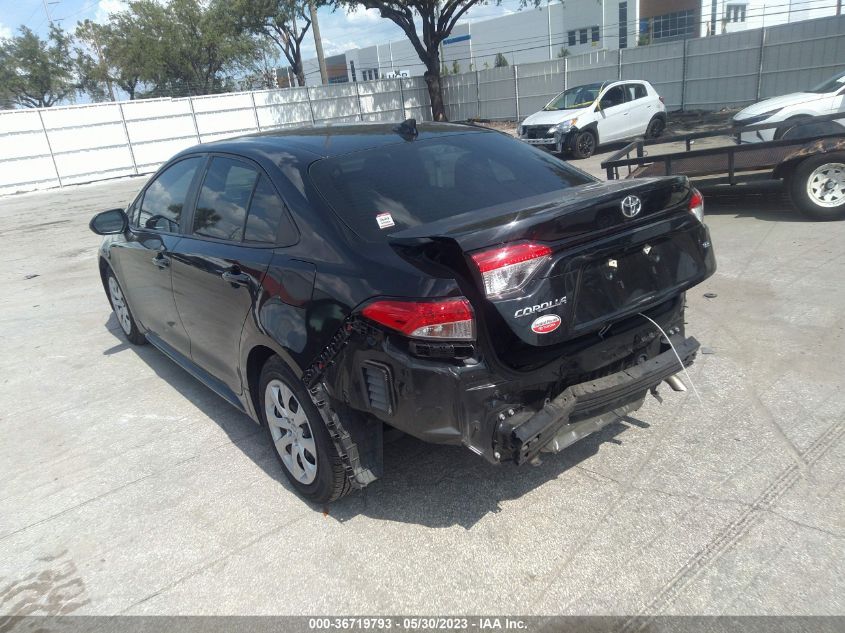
[385, 220]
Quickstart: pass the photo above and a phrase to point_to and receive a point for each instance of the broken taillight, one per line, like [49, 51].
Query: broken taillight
[509, 268]
[696, 205]
[449, 319]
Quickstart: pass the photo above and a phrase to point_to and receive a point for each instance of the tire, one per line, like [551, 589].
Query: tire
[817, 186]
[585, 144]
[789, 125]
[655, 127]
[121, 310]
[299, 436]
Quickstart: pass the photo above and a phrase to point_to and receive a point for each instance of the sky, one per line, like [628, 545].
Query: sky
[340, 31]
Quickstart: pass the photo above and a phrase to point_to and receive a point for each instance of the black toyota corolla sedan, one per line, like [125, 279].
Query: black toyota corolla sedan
[444, 280]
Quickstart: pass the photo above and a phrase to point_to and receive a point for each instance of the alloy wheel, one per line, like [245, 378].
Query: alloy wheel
[121, 310]
[826, 185]
[291, 431]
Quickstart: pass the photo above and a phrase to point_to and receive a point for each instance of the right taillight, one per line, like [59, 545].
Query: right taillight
[446, 319]
[696, 205]
[508, 268]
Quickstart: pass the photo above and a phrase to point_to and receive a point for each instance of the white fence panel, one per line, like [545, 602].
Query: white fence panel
[497, 93]
[25, 158]
[722, 71]
[592, 68]
[381, 100]
[539, 83]
[335, 103]
[283, 108]
[662, 65]
[417, 103]
[221, 116]
[800, 55]
[460, 96]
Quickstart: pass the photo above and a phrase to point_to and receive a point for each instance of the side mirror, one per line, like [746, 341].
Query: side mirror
[111, 222]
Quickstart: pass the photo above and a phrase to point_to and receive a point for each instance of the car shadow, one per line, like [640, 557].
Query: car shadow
[765, 200]
[426, 484]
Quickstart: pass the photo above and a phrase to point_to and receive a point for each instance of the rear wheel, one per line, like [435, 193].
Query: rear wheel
[301, 440]
[817, 187]
[655, 127]
[585, 144]
[122, 311]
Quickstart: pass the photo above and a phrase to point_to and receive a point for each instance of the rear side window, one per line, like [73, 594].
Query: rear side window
[635, 91]
[266, 212]
[164, 199]
[224, 199]
[383, 190]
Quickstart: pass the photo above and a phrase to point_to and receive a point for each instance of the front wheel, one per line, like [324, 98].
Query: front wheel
[655, 128]
[122, 311]
[817, 187]
[301, 440]
[584, 145]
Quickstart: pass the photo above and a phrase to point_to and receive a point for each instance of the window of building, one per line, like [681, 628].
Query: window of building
[735, 12]
[674, 25]
[572, 38]
[623, 25]
[595, 34]
[582, 36]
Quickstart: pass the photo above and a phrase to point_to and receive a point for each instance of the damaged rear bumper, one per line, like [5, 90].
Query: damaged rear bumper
[577, 411]
[501, 416]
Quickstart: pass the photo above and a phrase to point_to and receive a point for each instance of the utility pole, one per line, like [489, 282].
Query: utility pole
[318, 43]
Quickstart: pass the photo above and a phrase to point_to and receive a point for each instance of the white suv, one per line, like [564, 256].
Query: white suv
[579, 119]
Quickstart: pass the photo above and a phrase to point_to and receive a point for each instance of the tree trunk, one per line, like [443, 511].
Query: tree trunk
[435, 90]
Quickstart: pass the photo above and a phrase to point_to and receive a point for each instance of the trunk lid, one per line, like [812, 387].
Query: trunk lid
[600, 265]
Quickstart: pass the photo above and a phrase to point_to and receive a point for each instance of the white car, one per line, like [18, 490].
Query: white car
[794, 109]
[578, 120]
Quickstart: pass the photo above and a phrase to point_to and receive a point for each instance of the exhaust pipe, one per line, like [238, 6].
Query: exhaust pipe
[676, 383]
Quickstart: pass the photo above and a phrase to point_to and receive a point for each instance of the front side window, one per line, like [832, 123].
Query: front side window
[380, 191]
[613, 97]
[164, 199]
[224, 199]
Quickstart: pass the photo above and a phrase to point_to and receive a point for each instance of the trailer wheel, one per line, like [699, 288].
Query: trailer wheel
[817, 186]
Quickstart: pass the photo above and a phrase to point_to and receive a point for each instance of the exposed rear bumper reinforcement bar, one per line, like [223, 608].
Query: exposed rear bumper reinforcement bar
[578, 410]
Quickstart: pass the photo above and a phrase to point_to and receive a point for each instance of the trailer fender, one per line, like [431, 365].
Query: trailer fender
[822, 146]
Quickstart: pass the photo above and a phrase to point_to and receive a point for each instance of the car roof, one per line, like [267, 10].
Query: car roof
[322, 141]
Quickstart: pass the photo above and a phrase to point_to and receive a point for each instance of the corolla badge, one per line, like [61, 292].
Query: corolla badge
[631, 206]
[546, 324]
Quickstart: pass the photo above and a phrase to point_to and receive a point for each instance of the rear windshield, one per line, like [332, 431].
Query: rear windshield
[384, 190]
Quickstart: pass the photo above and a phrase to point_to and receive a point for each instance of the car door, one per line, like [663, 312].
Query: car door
[144, 259]
[641, 108]
[218, 267]
[612, 116]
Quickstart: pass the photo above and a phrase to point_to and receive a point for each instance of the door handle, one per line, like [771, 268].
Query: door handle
[161, 260]
[235, 277]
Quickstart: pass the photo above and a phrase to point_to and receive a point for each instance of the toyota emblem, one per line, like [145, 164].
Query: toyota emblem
[631, 206]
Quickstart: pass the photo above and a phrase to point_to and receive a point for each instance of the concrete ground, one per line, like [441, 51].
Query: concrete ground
[126, 487]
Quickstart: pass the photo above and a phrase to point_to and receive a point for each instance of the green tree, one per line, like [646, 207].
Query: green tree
[92, 68]
[37, 73]
[286, 22]
[563, 52]
[456, 67]
[185, 47]
[501, 61]
[426, 23]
